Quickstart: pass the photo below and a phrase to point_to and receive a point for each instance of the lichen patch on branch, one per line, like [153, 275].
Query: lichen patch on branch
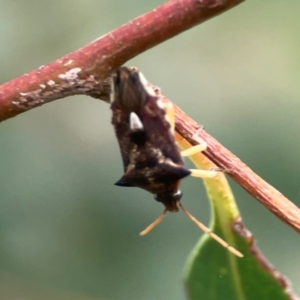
[70, 75]
[67, 84]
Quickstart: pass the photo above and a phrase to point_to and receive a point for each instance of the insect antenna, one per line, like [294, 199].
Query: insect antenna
[153, 224]
[209, 232]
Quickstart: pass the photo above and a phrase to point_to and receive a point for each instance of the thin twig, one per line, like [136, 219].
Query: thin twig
[267, 195]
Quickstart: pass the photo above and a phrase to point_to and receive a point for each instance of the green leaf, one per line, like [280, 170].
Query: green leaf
[212, 272]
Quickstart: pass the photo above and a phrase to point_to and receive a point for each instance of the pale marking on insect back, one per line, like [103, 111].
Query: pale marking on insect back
[112, 91]
[169, 113]
[161, 104]
[135, 122]
[145, 83]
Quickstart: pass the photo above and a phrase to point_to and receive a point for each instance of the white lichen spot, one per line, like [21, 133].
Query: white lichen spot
[70, 75]
[42, 86]
[23, 94]
[41, 67]
[103, 57]
[51, 83]
[69, 62]
[15, 103]
[112, 36]
[149, 90]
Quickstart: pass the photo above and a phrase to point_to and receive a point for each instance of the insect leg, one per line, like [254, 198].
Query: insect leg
[153, 224]
[210, 233]
[202, 146]
[194, 150]
[203, 173]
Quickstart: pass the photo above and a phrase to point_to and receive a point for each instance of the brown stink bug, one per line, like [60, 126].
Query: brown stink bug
[144, 126]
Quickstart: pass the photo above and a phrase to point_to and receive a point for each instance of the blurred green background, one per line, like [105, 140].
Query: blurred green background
[66, 232]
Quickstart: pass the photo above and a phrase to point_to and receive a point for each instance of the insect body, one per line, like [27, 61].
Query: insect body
[144, 126]
[151, 159]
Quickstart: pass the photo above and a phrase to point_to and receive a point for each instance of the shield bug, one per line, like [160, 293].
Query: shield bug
[144, 127]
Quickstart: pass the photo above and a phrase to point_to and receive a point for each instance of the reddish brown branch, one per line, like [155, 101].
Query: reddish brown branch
[242, 174]
[75, 73]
